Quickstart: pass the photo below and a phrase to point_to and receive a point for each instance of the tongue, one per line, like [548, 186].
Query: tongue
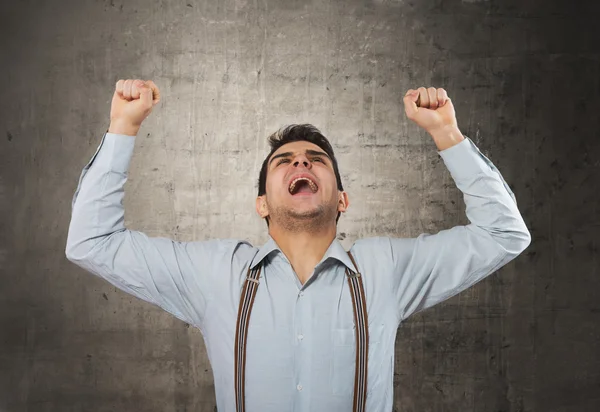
[303, 187]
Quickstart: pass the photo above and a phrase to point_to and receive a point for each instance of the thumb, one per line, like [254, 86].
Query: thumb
[410, 105]
[146, 95]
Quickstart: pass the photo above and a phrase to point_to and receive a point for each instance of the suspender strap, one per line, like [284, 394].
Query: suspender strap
[241, 335]
[361, 323]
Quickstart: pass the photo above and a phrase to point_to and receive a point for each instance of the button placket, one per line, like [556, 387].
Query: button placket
[300, 335]
[300, 365]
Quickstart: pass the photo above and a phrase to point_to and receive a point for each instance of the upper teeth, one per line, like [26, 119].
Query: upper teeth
[312, 185]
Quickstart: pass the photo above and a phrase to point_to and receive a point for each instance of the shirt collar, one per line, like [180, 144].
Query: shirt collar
[335, 251]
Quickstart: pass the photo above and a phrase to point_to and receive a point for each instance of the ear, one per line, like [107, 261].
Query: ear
[343, 201]
[261, 206]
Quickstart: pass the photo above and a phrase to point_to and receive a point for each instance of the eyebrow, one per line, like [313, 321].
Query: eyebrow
[308, 152]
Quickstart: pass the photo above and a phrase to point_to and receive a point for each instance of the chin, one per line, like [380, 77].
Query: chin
[304, 210]
[308, 213]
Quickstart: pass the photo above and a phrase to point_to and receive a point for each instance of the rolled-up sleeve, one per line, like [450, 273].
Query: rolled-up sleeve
[431, 268]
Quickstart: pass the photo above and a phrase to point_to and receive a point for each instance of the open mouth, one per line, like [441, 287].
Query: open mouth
[302, 185]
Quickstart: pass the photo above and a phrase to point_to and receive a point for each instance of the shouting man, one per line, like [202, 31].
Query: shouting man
[299, 324]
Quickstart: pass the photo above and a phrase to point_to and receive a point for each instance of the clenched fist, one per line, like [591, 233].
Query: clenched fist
[132, 102]
[430, 108]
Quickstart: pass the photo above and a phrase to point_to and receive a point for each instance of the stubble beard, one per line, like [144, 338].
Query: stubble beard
[313, 220]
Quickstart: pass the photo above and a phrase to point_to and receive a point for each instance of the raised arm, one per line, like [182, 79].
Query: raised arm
[173, 275]
[431, 268]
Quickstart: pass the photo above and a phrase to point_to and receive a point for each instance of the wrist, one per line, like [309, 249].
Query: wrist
[447, 136]
[123, 128]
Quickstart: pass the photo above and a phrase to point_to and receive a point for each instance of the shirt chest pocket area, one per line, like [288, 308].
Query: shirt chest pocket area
[344, 357]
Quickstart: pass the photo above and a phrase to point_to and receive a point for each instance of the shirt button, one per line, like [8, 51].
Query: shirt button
[301, 293]
[301, 336]
[299, 387]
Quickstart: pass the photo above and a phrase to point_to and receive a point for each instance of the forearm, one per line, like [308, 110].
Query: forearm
[97, 207]
[490, 203]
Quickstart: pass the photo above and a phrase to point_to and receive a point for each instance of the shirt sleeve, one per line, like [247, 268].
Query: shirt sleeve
[431, 268]
[173, 275]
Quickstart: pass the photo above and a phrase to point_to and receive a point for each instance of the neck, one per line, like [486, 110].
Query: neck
[303, 249]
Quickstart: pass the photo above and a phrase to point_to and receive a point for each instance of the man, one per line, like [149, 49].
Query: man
[318, 326]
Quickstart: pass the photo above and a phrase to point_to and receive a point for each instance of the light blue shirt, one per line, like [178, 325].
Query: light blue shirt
[300, 352]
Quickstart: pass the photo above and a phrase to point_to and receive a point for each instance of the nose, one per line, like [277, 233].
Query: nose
[302, 160]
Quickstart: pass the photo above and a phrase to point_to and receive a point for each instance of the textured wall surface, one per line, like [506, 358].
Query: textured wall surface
[524, 76]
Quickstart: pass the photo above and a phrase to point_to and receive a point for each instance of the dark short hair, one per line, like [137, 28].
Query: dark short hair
[294, 133]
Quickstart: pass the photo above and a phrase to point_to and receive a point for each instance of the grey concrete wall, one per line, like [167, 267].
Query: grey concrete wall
[523, 75]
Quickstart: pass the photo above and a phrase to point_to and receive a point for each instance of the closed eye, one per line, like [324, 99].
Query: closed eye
[315, 159]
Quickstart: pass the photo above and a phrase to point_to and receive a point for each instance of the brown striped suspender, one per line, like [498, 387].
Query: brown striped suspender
[361, 323]
[241, 335]
[359, 303]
